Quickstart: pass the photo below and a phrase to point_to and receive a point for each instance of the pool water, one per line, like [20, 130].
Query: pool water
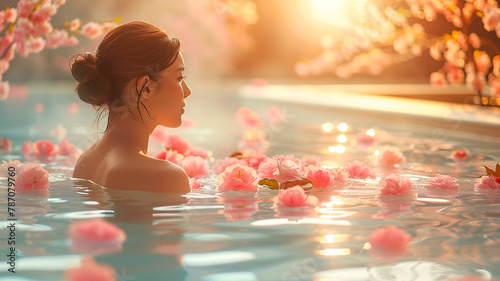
[208, 236]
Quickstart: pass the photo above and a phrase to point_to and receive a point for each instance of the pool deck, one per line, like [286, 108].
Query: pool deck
[403, 101]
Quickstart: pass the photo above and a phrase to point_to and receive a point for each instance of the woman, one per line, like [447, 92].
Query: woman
[136, 74]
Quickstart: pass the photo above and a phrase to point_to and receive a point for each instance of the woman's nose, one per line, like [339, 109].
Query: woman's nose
[187, 91]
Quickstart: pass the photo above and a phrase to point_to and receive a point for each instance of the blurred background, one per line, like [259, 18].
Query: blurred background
[239, 39]
[236, 50]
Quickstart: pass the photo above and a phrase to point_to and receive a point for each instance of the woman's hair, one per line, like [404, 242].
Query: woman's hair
[126, 52]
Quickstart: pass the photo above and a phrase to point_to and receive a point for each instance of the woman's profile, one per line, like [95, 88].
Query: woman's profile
[137, 75]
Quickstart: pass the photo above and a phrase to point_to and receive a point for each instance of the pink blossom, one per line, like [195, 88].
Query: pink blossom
[4, 90]
[365, 139]
[25, 8]
[35, 45]
[195, 166]
[389, 243]
[487, 182]
[197, 151]
[44, 148]
[390, 156]
[194, 184]
[32, 177]
[170, 155]
[248, 118]
[436, 51]
[339, 174]
[66, 148]
[175, 142]
[74, 24]
[92, 30]
[254, 161]
[43, 14]
[59, 2]
[4, 168]
[491, 19]
[294, 197]
[483, 62]
[26, 148]
[358, 169]
[394, 185]
[468, 10]
[11, 15]
[293, 158]
[238, 177]
[320, 177]
[56, 39]
[267, 168]
[222, 164]
[95, 230]
[90, 270]
[22, 29]
[5, 144]
[459, 154]
[455, 76]
[71, 41]
[474, 41]
[438, 79]
[442, 182]
[42, 29]
[287, 170]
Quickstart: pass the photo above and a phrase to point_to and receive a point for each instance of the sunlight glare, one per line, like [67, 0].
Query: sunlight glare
[343, 127]
[335, 12]
[335, 252]
[371, 132]
[327, 127]
[342, 138]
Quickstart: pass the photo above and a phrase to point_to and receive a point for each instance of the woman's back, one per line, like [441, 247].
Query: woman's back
[114, 167]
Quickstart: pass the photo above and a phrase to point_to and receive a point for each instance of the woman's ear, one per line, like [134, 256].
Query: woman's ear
[144, 86]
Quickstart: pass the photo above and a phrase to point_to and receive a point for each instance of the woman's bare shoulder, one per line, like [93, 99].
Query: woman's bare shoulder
[148, 174]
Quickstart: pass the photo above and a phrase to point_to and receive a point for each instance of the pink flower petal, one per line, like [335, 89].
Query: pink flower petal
[195, 166]
[389, 243]
[394, 185]
[442, 182]
[238, 177]
[294, 197]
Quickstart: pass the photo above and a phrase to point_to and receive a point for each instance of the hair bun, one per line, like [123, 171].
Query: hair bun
[84, 67]
[93, 87]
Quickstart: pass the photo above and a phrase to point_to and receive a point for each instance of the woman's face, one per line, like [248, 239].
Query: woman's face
[169, 93]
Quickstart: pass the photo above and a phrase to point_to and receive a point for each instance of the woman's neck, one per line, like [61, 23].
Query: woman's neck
[129, 133]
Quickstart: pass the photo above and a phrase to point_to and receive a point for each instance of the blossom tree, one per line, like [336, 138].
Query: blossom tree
[393, 35]
[27, 29]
